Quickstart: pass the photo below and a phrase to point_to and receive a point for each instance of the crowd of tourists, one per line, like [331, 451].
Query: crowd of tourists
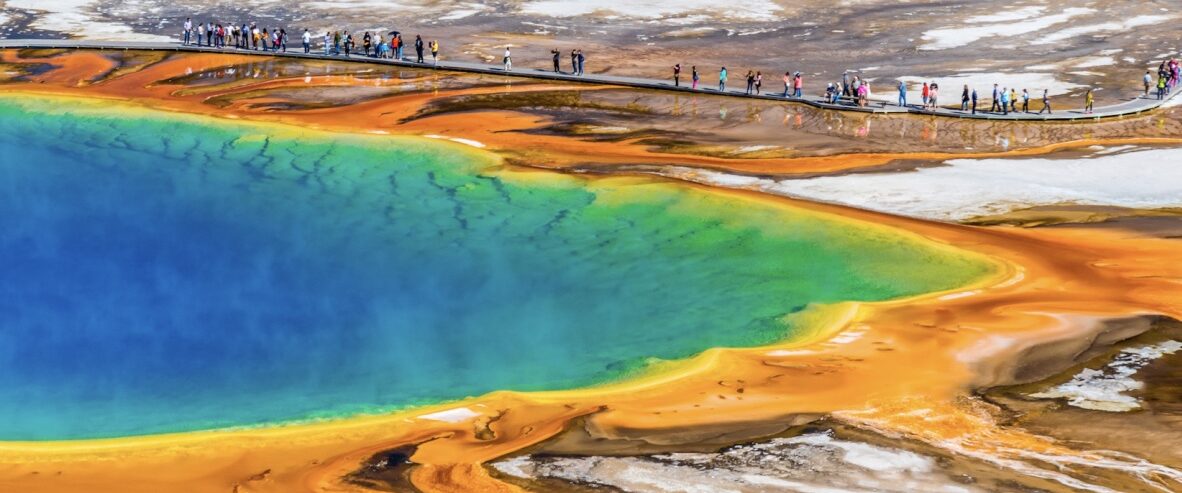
[855, 90]
[246, 36]
[1004, 100]
[251, 37]
[1168, 74]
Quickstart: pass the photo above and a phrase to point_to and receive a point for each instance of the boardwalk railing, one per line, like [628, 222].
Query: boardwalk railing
[1129, 107]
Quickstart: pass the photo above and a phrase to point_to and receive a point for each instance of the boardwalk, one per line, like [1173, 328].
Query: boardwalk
[1132, 106]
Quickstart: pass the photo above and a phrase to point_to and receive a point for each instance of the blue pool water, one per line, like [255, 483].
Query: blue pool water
[162, 273]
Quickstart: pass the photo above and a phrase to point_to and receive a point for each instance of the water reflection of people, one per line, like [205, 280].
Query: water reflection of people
[754, 114]
[864, 129]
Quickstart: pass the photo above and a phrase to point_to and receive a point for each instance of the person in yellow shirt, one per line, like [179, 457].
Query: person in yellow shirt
[1089, 100]
[435, 52]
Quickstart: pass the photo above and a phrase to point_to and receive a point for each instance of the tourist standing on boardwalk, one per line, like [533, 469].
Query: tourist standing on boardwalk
[397, 40]
[934, 94]
[1046, 103]
[348, 43]
[902, 94]
[722, 80]
[677, 75]
[435, 53]
[327, 43]
[307, 41]
[758, 81]
[1172, 80]
[200, 32]
[208, 34]
[556, 55]
[1013, 100]
[508, 60]
[367, 42]
[1025, 101]
[964, 98]
[925, 94]
[1148, 81]
[419, 47]
[787, 83]
[845, 84]
[1005, 101]
[694, 77]
[750, 82]
[1089, 100]
[189, 30]
[996, 106]
[798, 84]
[1161, 88]
[574, 62]
[863, 92]
[974, 101]
[582, 62]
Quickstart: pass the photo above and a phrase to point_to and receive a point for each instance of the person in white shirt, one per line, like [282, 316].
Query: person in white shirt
[508, 60]
[188, 29]
[327, 42]
[307, 41]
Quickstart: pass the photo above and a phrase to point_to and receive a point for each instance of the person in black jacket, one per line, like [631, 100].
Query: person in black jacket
[419, 47]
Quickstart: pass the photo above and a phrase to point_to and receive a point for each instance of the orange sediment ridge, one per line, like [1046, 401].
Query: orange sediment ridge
[904, 367]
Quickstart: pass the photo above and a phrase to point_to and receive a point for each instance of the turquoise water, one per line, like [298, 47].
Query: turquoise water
[162, 273]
